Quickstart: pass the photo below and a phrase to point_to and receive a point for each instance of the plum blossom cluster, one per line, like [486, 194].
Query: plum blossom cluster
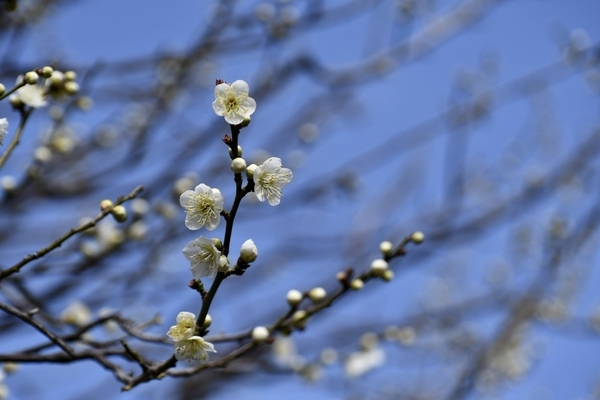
[204, 207]
[188, 346]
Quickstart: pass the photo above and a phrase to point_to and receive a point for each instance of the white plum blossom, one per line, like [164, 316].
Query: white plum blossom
[3, 129]
[185, 327]
[31, 95]
[248, 251]
[269, 179]
[187, 345]
[204, 257]
[203, 207]
[233, 103]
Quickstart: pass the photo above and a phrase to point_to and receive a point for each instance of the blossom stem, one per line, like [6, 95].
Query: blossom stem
[239, 195]
[17, 136]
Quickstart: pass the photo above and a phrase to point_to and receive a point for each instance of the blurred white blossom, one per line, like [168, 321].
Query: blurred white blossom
[31, 95]
[77, 314]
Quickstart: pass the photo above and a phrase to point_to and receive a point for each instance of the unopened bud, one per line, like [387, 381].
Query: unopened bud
[207, 321]
[47, 71]
[250, 170]
[223, 263]
[294, 297]
[357, 284]
[260, 334]
[248, 251]
[70, 76]
[105, 204]
[239, 154]
[378, 266]
[317, 294]
[238, 165]
[385, 247]
[71, 87]
[31, 78]
[387, 275]
[417, 237]
[119, 213]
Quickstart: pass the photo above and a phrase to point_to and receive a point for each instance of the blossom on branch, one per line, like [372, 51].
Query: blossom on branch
[233, 103]
[188, 346]
[32, 95]
[204, 257]
[3, 129]
[269, 179]
[203, 207]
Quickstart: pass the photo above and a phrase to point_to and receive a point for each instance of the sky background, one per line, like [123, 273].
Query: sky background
[393, 115]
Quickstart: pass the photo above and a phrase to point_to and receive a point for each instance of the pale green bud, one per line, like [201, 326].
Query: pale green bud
[105, 204]
[47, 71]
[119, 213]
[357, 284]
[71, 87]
[70, 76]
[317, 294]
[239, 152]
[417, 237]
[31, 78]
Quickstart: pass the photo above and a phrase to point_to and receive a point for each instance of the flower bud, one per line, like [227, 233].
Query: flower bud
[31, 78]
[378, 266]
[294, 297]
[56, 79]
[300, 319]
[207, 321]
[239, 154]
[223, 263]
[317, 294]
[417, 237]
[70, 76]
[105, 204]
[387, 275]
[2, 89]
[260, 334]
[299, 316]
[71, 87]
[385, 247]
[250, 170]
[357, 284]
[248, 251]
[47, 71]
[238, 165]
[119, 213]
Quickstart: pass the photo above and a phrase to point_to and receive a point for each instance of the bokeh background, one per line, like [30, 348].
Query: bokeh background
[474, 121]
